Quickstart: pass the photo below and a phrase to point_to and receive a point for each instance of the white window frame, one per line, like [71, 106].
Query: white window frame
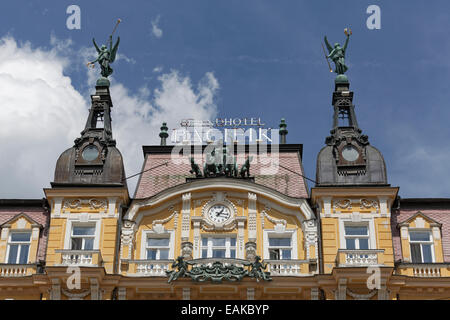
[86, 225]
[150, 233]
[210, 246]
[369, 222]
[288, 233]
[431, 242]
[20, 245]
[76, 222]
[346, 236]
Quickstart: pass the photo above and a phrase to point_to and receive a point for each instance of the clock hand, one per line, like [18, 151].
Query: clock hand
[218, 214]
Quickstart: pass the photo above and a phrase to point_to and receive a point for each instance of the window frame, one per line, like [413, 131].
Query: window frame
[20, 243]
[210, 247]
[76, 221]
[280, 248]
[152, 234]
[288, 233]
[83, 225]
[430, 242]
[357, 237]
[158, 252]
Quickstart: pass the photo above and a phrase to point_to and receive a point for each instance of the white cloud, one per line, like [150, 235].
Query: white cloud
[157, 69]
[157, 32]
[42, 113]
[137, 118]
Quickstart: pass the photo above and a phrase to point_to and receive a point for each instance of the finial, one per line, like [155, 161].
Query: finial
[163, 134]
[283, 131]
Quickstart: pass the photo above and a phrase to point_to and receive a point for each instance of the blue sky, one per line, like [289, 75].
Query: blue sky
[267, 59]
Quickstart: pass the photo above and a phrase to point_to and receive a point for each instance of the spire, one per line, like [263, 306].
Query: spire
[163, 134]
[283, 131]
[93, 159]
[348, 158]
[99, 119]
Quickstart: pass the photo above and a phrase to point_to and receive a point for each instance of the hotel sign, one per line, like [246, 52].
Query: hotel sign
[228, 130]
[223, 122]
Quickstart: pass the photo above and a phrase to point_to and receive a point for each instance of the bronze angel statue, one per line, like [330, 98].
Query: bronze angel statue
[106, 56]
[337, 53]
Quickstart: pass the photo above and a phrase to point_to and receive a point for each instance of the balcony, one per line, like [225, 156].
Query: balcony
[424, 270]
[149, 268]
[17, 270]
[359, 258]
[158, 268]
[80, 258]
[286, 267]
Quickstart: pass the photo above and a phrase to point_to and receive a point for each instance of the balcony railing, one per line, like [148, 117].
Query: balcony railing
[17, 270]
[424, 270]
[285, 267]
[158, 268]
[359, 258]
[81, 258]
[150, 268]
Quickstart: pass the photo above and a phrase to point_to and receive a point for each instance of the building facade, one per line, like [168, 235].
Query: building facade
[203, 217]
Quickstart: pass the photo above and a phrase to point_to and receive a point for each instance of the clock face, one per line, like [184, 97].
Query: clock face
[90, 153]
[350, 153]
[219, 213]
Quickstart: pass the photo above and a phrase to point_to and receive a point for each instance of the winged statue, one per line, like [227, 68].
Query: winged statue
[106, 56]
[337, 53]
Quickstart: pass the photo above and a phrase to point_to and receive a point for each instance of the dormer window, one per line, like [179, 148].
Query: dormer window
[421, 244]
[18, 247]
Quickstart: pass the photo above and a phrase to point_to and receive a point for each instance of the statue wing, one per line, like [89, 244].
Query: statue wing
[96, 46]
[114, 50]
[329, 47]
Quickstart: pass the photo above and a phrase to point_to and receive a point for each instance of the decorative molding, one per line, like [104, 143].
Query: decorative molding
[252, 228]
[280, 224]
[76, 296]
[72, 204]
[126, 237]
[185, 216]
[97, 204]
[359, 296]
[367, 204]
[342, 204]
[157, 225]
[223, 183]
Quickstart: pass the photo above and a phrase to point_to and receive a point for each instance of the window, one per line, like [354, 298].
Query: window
[421, 247]
[356, 237]
[18, 247]
[218, 247]
[83, 237]
[280, 248]
[157, 248]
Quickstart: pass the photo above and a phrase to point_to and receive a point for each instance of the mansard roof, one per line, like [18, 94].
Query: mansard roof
[161, 171]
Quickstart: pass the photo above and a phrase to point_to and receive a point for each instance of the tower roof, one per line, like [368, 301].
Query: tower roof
[348, 158]
[94, 158]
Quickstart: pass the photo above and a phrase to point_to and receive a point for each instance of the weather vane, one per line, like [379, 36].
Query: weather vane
[106, 57]
[337, 55]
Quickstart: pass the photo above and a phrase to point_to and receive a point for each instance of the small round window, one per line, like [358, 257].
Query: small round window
[350, 153]
[90, 153]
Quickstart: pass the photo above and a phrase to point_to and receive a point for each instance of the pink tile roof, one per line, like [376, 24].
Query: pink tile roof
[286, 178]
[440, 215]
[37, 213]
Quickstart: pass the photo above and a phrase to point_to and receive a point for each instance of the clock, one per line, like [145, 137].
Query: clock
[219, 213]
[90, 153]
[350, 153]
